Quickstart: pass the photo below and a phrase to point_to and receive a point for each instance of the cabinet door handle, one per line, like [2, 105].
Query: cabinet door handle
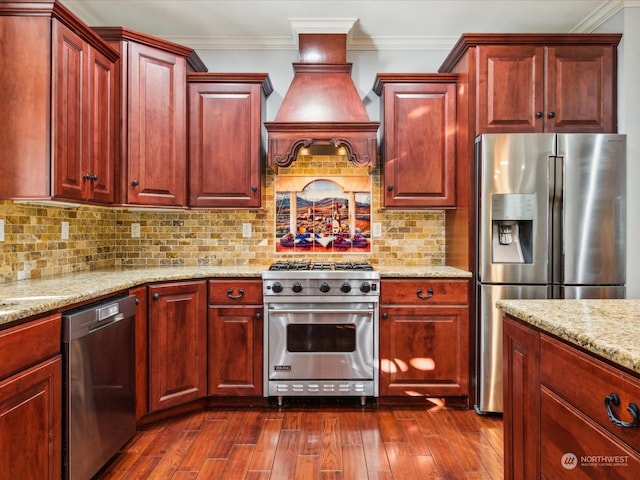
[385, 315]
[86, 176]
[254, 188]
[258, 316]
[94, 177]
[424, 297]
[552, 114]
[632, 408]
[539, 114]
[156, 296]
[235, 297]
[135, 183]
[390, 188]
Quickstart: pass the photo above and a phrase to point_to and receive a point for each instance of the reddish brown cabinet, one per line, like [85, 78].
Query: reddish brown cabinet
[226, 152]
[235, 337]
[558, 402]
[153, 117]
[532, 88]
[31, 400]
[177, 343]
[424, 337]
[538, 82]
[61, 146]
[84, 106]
[419, 139]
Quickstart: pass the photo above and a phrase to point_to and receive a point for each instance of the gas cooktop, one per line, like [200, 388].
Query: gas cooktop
[334, 266]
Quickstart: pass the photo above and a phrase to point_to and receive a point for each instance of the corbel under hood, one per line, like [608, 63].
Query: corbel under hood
[322, 107]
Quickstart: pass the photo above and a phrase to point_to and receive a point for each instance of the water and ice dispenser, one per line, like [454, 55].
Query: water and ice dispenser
[512, 227]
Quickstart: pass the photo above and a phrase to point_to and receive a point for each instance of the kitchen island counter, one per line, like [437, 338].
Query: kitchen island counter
[607, 328]
[27, 298]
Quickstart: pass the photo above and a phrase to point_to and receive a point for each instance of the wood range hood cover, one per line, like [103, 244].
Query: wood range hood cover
[322, 107]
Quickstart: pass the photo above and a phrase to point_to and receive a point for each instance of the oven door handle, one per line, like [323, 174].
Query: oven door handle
[320, 310]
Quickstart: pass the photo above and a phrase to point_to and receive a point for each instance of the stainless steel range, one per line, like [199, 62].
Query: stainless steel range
[321, 329]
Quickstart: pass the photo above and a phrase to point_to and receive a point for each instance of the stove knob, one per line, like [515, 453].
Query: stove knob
[297, 287]
[345, 287]
[277, 287]
[325, 287]
[365, 287]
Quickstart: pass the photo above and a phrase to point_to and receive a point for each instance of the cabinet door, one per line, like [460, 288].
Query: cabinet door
[177, 343]
[510, 89]
[419, 145]
[521, 380]
[225, 147]
[31, 422]
[235, 350]
[100, 127]
[157, 150]
[424, 351]
[580, 91]
[69, 107]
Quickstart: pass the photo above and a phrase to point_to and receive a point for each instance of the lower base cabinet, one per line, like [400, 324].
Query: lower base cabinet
[558, 403]
[177, 343]
[31, 401]
[424, 337]
[235, 337]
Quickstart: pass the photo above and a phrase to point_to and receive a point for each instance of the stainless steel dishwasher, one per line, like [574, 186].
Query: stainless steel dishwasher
[99, 384]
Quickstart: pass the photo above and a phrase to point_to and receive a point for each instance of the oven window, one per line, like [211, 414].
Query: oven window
[304, 337]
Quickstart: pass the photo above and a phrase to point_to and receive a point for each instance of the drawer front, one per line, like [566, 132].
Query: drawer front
[29, 343]
[574, 447]
[585, 382]
[426, 291]
[235, 291]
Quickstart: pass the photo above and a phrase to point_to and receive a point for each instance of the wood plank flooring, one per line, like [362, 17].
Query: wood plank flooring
[317, 442]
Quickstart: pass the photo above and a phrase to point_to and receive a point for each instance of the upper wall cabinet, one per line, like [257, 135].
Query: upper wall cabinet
[539, 83]
[58, 108]
[152, 89]
[418, 139]
[226, 112]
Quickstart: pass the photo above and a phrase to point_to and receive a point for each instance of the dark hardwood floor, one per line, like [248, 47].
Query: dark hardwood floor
[315, 442]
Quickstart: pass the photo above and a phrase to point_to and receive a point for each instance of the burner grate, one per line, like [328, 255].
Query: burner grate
[339, 266]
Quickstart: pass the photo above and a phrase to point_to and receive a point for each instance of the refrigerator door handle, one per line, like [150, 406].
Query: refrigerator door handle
[556, 191]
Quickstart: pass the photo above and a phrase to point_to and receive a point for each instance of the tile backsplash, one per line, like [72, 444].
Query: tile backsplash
[100, 237]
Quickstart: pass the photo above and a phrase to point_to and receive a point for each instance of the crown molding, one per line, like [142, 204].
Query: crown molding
[600, 15]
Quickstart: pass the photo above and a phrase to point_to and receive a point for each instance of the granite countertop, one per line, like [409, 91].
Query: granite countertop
[608, 328]
[26, 298]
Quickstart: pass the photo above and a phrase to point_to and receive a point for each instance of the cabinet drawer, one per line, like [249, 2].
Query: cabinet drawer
[595, 452]
[235, 291]
[424, 292]
[29, 343]
[585, 382]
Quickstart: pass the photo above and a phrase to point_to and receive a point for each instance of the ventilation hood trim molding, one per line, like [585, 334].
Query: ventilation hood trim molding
[358, 139]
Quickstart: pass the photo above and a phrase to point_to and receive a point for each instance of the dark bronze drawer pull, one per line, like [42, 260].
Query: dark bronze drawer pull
[425, 297]
[614, 399]
[235, 297]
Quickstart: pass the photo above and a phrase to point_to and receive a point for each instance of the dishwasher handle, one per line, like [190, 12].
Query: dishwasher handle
[102, 323]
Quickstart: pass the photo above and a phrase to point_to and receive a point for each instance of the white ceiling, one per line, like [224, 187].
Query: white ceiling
[377, 24]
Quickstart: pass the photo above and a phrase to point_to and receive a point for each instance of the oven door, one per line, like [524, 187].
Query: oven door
[321, 341]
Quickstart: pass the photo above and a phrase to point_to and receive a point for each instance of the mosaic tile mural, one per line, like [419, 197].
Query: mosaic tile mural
[323, 215]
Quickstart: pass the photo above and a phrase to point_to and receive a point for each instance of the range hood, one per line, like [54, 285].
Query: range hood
[322, 109]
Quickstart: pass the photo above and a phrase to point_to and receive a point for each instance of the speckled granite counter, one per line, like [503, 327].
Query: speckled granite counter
[26, 298]
[608, 328]
[422, 272]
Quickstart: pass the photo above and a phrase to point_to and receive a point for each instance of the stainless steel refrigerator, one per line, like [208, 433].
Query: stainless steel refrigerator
[550, 223]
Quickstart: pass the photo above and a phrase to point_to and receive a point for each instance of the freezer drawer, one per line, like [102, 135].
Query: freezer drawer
[489, 340]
